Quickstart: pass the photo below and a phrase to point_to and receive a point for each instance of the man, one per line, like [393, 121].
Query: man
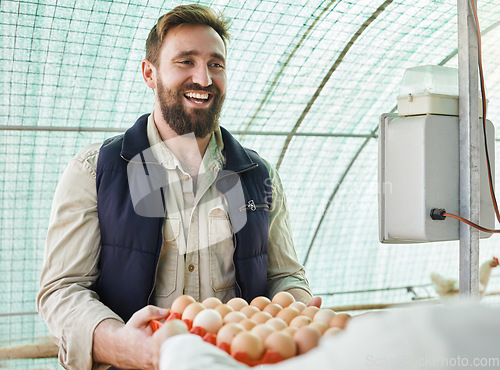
[174, 206]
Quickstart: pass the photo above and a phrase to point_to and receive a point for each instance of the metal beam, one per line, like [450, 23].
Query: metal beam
[468, 78]
[372, 135]
[60, 128]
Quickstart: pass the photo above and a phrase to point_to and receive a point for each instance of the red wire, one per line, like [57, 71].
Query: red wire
[470, 223]
[483, 97]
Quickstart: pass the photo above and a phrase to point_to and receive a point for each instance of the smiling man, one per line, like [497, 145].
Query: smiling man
[173, 206]
[190, 81]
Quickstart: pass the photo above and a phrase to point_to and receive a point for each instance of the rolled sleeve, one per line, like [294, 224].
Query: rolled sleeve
[65, 299]
[284, 272]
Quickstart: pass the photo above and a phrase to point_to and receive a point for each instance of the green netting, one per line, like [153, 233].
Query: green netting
[312, 77]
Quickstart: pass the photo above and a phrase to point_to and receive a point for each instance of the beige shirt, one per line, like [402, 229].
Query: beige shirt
[196, 256]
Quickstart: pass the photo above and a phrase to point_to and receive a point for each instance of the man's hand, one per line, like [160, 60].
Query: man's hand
[303, 296]
[168, 329]
[316, 301]
[127, 346]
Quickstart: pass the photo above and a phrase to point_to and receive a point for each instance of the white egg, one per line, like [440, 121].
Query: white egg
[208, 319]
[324, 315]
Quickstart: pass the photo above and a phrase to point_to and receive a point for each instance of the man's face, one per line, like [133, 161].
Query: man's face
[191, 80]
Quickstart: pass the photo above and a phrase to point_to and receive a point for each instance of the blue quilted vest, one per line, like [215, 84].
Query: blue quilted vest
[131, 243]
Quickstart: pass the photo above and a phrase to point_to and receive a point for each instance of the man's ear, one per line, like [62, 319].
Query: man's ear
[149, 73]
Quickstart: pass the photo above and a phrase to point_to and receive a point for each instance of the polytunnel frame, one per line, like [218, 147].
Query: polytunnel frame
[294, 132]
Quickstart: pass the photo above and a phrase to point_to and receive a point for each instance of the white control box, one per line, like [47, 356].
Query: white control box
[418, 171]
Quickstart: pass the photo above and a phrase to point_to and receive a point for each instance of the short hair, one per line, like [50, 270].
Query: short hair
[184, 14]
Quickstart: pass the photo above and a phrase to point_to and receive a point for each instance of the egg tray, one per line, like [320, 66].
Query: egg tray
[269, 357]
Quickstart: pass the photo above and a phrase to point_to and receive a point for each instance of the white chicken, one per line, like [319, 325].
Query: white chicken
[448, 287]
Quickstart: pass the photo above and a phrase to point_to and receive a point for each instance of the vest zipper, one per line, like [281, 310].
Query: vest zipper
[141, 162]
[156, 272]
[235, 239]
[234, 266]
[161, 247]
[236, 172]
[250, 205]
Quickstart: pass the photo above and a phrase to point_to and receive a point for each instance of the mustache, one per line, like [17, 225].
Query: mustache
[193, 86]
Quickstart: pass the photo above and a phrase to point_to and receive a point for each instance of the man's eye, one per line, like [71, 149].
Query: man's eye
[217, 65]
[185, 62]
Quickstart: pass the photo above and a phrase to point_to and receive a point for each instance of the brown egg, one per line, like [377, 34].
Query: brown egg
[291, 330]
[332, 331]
[318, 325]
[249, 311]
[273, 309]
[300, 321]
[261, 317]
[208, 319]
[211, 302]
[282, 343]
[181, 302]
[223, 309]
[235, 316]
[340, 320]
[277, 323]
[237, 303]
[263, 330]
[284, 299]
[306, 339]
[260, 302]
[287, 314]
[324, 315]
[310, 311]
[248, 324]
[298, 305]
[192, 310]
[228, 332]
[248, 342]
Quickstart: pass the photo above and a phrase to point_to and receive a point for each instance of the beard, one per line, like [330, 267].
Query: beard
[201, 122]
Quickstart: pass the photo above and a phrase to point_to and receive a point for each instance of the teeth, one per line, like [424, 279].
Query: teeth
[197, 96]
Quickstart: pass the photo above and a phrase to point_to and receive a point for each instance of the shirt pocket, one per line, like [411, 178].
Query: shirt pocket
[166, 277]
[221, 250]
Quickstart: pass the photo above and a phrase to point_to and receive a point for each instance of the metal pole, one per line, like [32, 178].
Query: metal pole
[469, 149]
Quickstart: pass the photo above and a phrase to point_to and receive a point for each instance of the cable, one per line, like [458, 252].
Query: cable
[470, 223]
[441, 214]
[483, 98]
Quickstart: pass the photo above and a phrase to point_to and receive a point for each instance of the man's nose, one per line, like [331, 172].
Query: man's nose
[201, 76]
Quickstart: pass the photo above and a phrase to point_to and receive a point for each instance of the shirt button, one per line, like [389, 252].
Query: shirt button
[191, 268]
[186, 177]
